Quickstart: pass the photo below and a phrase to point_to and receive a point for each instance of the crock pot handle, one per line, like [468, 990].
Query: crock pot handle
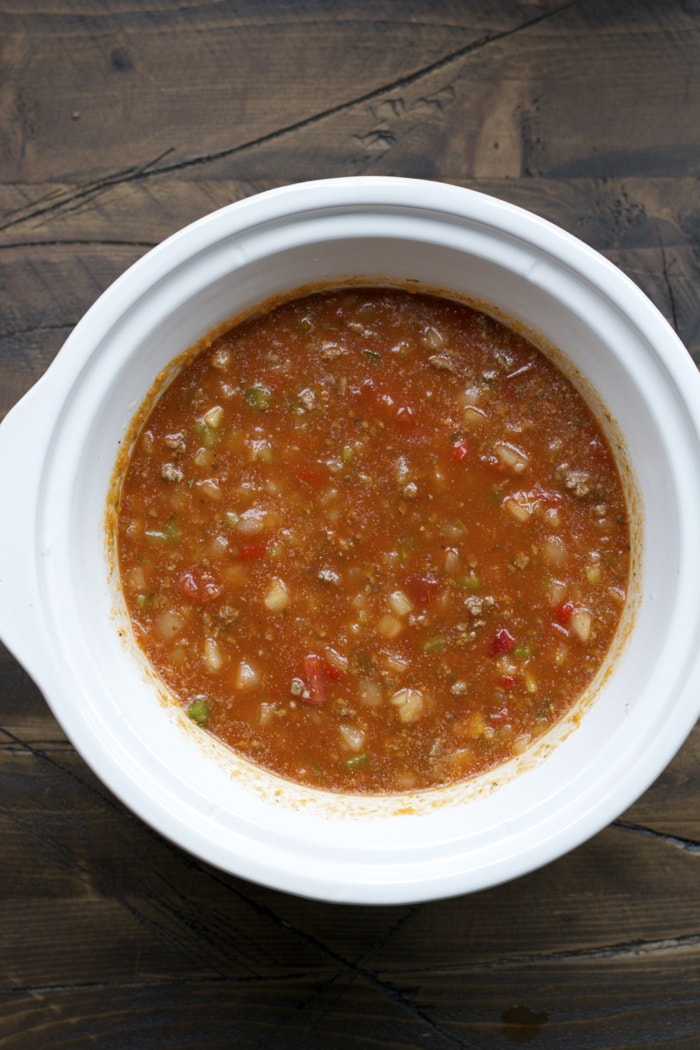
[23, 440]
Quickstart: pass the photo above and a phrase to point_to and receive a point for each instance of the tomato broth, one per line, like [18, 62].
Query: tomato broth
[373, 540]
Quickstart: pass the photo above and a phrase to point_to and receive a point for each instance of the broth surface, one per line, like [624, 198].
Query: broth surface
[373, 540]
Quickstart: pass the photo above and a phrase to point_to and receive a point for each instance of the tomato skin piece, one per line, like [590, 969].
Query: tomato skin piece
[508, 681]
[313, 670]
[332, 671]
[422, 589]
[563, 612]
[187, 585]
[502, 642]
[201, 588]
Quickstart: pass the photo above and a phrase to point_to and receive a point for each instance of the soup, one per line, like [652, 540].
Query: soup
[373, 540]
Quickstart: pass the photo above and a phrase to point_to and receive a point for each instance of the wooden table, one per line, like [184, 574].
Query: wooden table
[121, 122]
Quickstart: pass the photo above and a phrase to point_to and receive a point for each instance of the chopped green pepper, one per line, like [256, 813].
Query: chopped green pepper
[199, 711]
[208, 435]
[356, 762]
[258, 397]
[434, 645]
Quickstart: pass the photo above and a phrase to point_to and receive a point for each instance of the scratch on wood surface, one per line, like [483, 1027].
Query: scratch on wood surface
[44, 754]
[687, 845]
[665, 270]
[67, 201]
[352, 970]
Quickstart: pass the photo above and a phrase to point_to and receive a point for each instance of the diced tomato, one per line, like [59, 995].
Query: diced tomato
[313, 670]
[461, 450]
[199, 587]
[563, 612]
[508, 681]
[333, 672]
[502, 642]
[252, 550]
[422, 589]
[187, 585]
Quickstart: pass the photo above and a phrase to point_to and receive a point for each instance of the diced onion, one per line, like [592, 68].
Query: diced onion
[218, 546]
[452, 560]
[137, 579]
[353, 738]
[371, 693]
[400, 603]
[519, 507]
[554, 550]
[474, 725]
[277, 597]
[169, 623]
[593, 572]
[212, 655]
[210, 489]
[510, 456]
[581, 623]
[473, 415]
[336, 659]
[246, 676]
[556, 592]
[396, 663]
[221, 359]
[252, 521]
[520, 744]
[432, 338]
[214, 416]
[203, 457]
[389, 626]
[410, 704]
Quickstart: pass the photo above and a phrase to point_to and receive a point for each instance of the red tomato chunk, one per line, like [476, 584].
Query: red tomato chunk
[372, 540]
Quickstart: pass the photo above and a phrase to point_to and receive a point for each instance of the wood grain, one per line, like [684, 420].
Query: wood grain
[120, 123]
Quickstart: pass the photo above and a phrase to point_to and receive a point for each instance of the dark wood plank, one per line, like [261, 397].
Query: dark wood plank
[205, 79]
